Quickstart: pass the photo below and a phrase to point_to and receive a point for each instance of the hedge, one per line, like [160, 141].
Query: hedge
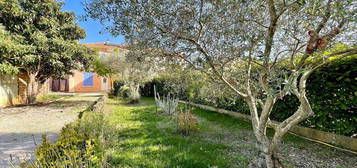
[332, 92]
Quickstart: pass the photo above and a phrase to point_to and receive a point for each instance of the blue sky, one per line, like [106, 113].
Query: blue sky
[93, 28]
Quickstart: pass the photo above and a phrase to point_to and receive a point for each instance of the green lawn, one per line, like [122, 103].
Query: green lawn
[150, 139]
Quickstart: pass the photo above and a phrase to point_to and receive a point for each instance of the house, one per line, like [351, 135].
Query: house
[88, 81]
[13, 91]
[8, 90]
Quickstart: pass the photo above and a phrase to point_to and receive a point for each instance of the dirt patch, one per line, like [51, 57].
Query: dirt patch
[22, 127]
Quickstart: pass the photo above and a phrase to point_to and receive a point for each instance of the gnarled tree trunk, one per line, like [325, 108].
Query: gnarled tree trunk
[32, 89]
[268, 148]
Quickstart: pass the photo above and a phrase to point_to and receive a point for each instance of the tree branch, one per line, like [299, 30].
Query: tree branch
[327, 38]
[325, 17]
[264, 116]
[210, 62]
[271, 31]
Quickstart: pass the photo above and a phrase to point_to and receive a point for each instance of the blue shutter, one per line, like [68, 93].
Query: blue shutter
[88, 79]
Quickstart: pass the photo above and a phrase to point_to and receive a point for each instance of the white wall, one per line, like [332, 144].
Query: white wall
[8, 89]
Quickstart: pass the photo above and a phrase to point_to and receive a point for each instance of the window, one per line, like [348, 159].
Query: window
[102, 54]
[88, 79]
[104, 80]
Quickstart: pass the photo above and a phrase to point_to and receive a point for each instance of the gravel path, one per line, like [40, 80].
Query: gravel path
[22, 127]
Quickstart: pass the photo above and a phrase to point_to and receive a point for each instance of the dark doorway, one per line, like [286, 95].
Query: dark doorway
[60, 85]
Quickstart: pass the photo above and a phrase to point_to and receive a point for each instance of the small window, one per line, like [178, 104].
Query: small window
[88, 79]
[102, 54]
[104, 80]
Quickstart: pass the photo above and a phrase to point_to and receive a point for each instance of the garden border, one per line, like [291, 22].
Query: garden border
[326, 138]
[96, 106]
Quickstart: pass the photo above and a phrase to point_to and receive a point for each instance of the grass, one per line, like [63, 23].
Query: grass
[151, 140]
[136, 136]
[148, 139]
[48, 97]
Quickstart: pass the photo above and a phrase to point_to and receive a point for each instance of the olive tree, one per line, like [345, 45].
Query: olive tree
[133, 67]
[260, 50]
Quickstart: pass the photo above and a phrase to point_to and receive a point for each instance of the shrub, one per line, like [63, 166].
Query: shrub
[130, 93]
[168, 104]
[187, 122]
[116, 87]
[124, 91]
[134, 95]
[81, 144]
[332, 91]
[157, 84]
[73, 149]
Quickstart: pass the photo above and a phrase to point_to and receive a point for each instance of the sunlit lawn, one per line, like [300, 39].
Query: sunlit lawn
[148, 139]
[151, 139]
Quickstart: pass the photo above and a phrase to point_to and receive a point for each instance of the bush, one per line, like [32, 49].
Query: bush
[81, 144]
[187, 122]
[73, 149]
[124, 91]
[168, 104]
[134, 95]
[116, 87]
[159, 83]
[131, 94]
[332, 92]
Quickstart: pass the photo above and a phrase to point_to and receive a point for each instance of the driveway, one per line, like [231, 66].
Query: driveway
[22, 127]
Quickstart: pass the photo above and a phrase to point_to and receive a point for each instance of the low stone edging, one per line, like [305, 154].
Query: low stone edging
[309, 133]
[97, 106]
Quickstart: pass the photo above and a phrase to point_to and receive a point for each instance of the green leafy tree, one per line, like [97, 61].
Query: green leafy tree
[109, 64]
[133, 67]
[50, 36]
[243, 46]
[9, 47]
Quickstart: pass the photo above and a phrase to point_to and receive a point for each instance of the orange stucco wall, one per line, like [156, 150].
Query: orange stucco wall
[76, 83]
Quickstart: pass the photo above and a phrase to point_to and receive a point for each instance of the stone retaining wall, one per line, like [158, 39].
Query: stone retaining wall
[97, 106]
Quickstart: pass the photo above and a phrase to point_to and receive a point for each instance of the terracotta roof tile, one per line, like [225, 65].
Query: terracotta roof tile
[106, 47]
